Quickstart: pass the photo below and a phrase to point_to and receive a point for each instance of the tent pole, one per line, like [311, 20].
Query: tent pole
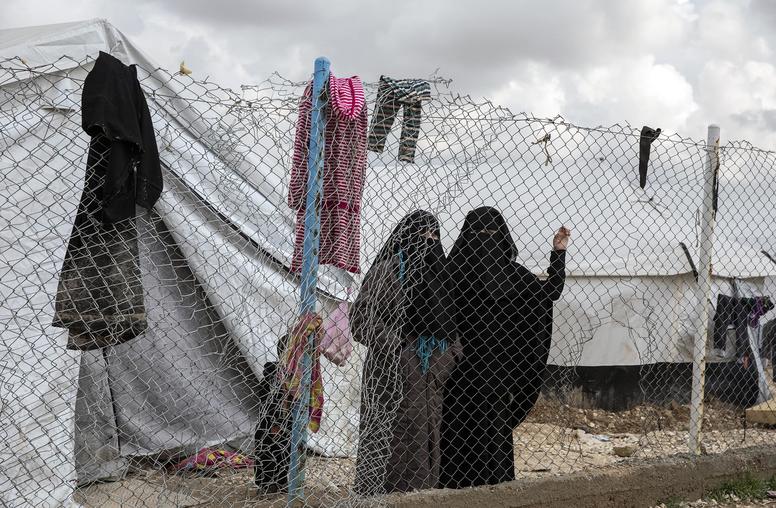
[703, 302]
[309, 278]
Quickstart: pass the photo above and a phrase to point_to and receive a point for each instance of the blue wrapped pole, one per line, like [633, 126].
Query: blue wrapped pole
[312, 239]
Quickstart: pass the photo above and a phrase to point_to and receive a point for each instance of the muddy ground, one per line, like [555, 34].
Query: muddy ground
[556, 440]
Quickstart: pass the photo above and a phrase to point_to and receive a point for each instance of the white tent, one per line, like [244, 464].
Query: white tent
[630, 293]
[213, 273]
[224, 230]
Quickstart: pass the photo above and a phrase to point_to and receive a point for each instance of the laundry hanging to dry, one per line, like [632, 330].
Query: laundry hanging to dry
[100, 294]
[648, 136]
[344, 167]
[393, 95]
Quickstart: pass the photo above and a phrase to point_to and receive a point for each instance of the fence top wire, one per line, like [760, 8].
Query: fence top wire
[16, 68]
[288, 91]
[253, 136]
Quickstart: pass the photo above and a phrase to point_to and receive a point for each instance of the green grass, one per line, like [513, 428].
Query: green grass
[744, 488]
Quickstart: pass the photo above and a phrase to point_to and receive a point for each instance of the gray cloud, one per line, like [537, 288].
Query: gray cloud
[763, 10]
[596, 61]
[762, 119]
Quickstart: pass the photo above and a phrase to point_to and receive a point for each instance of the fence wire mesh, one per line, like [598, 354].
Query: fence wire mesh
[149, 361]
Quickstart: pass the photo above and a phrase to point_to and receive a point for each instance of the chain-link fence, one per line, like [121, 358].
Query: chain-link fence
[151, 358]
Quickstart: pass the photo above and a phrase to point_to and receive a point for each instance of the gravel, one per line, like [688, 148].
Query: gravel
[556, 439]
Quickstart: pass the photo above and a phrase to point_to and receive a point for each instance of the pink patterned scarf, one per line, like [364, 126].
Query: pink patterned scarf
[209, 460]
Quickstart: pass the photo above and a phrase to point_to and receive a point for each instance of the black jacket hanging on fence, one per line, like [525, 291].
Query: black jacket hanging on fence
[648, 136]
[114, 106]
[504, 316]
[100, 293]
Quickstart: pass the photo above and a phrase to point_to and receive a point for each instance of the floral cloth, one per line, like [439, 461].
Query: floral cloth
[211, 460]
[291, 372]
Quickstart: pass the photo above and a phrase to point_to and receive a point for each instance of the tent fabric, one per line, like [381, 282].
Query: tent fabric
[37, 387]
[184, 367]
[225, 298]
[630, 320]
[222, 240]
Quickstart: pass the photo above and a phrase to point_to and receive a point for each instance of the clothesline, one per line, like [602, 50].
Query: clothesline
[514, 119]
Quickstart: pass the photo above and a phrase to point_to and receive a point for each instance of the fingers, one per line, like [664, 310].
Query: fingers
[561, 239]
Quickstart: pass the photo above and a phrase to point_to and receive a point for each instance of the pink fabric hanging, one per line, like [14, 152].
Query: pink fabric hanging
[343, 181]
[347, 96]
[336, 345]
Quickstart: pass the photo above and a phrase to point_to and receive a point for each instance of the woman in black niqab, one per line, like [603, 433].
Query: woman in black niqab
[403, 316]
[415, 243]
[504, 318]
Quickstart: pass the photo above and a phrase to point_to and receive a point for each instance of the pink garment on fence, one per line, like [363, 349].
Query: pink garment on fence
[343, 180]
[336, 345]
[291, 372]
[347, 96]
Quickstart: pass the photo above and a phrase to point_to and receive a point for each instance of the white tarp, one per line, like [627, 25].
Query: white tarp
[629, 280]
[38, 376]
[43, 158]
[629, 320]
[630, 294]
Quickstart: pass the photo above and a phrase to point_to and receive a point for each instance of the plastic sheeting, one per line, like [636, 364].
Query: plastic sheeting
[38, 376]
[180, 385]
[194, 378]
[630, 319]
[225, 214]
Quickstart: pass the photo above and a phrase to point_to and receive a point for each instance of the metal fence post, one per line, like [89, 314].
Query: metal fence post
[704, 288]
[309, 278]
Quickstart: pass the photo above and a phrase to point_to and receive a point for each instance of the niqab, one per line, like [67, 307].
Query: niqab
[504, 316]
[426, 305]
[403, 316]
[483, 254]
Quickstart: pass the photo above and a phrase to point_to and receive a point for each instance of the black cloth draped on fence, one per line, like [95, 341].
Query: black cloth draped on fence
[100, 293]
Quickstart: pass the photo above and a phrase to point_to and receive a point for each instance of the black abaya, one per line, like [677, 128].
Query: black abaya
[100, 293]
[504, 316]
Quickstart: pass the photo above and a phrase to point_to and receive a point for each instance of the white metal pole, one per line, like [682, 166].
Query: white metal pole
[704, 289]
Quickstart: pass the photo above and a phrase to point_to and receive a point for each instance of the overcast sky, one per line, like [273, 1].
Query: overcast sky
[675, 64]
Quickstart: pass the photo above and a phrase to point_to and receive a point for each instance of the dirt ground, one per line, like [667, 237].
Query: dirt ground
[555, 440]
[641, 419]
